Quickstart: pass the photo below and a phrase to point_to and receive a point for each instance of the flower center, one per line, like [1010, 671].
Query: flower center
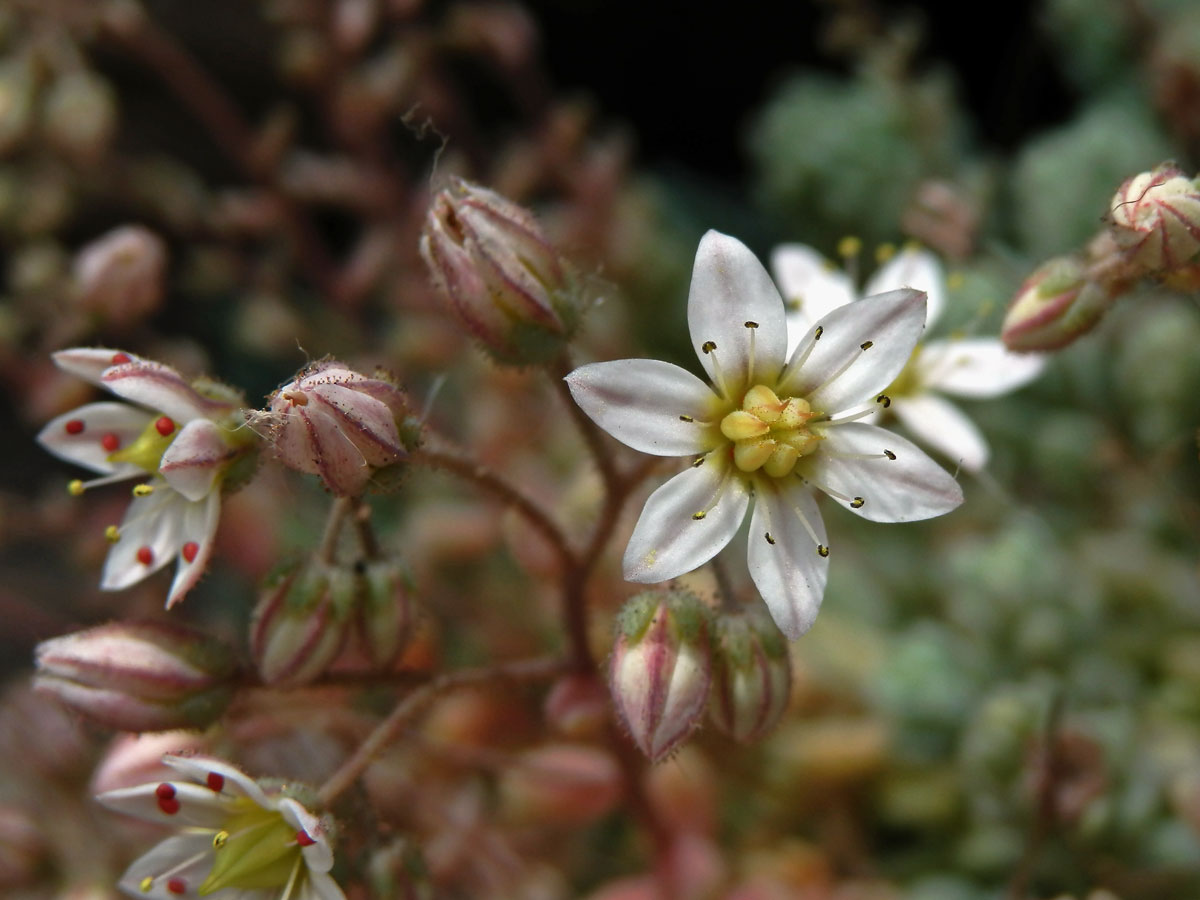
[147, 450]
[769, 433]
[256, 849]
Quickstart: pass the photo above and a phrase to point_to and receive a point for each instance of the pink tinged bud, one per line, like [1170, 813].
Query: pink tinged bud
[577, 706]
[340, 425]
[504, 280]
[1155, 218]
[387, 612]
[301, 622]
[144, 676]
[752, 676]
[121, 275]
[561, 784]
[1055, 305]
[661, 669]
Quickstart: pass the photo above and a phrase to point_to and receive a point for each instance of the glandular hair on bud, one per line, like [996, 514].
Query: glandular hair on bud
[752, 676]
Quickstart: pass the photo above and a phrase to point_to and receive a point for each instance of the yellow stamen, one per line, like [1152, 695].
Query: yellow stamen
[75, 488]
[143, 490]
[112, 534]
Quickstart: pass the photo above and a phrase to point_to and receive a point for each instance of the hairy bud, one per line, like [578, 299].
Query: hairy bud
[504, 281]
[1155, 218]
[301, 622]
[387, 612]
[1055, 305]
[139, 676]
[120, 275]
[752, 676]
[661, 669]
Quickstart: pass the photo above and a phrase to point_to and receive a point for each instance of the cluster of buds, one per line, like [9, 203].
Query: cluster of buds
[306, 615]
[1153, 231]
[504, 281]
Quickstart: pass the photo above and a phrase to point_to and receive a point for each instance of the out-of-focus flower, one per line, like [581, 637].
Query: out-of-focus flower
[139, 676]
[237, 838]
[564, 784]
[1155, 218]
[1057, 304]
[340, 425]
[505, 282]
[190, 440]
[771, 427]
[661, 669]
[752, 676]
[120, 275]
[975, 368]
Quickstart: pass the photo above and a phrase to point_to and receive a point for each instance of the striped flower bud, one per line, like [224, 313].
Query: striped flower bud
[752, 676]
[661, 669]
[1155, 218]
[139, 676]
[121, 276]
[387, 613]
[301, 622]
[1055, 305]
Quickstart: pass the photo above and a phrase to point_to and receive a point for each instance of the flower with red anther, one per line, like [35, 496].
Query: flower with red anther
[237, 837]
[339, 425]
[1057, 304]
[1155, 218]
[752, 676]
[661, 669]
[188, 439]
[771, 428]
[139, 676]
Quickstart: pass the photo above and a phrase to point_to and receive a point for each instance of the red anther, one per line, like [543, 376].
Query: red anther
[215, 780]
[74, 426]
[304, 840]
[177, 886]
[145, 555]
[119, 359]
[165, 791]
[164, 425]
[190, 549]
[110, 442]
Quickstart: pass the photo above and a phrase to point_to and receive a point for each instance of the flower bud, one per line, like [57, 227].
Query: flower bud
[79, 115]
[752, 676]
[387, 613]
[1155, 218]
[301, 622]
[504, 281]
[340, 425]
[1055, 305]
[139, 676]
[120, 275]
[661, 669]
[564, 784]
[577, 706]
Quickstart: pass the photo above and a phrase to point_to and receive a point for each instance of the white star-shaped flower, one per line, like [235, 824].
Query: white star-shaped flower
[236, 840]
[974, 368]
[180, 438]
[771, 428]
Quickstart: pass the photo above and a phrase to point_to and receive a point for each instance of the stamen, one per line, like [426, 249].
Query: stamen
[167, 801]
[753, 326]
[889, 454]
[304, 840]
[215, 780]
[699, 461]
[822, 551]
[770, 540]
[110, 442]
[112, 534]
[852, 416]
[190, 549]
[143, 490]
[119, 359]
[145, 555]
[697, 516]
[866, 345]
[220, 839]
[884, 252]
[164, 425]
[709, 348]
[857, 503]
[74, 426]
[177, 886]
[884, 399]
[686, 419]
[75, 488]
[817, 334]
[145, 884]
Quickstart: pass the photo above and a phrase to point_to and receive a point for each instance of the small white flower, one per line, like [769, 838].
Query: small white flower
[236, 841]
[975, 368]
[771, 428]
[183, 440]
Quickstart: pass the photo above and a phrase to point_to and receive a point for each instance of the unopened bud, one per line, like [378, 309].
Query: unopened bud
[301, 622]
[340, 425]
[661, 669]
[752, 676]
[120, 275]
[565, 784]
[1055, 305]
[80, 115]
[577, 706]
[139, 676]
[387, 612]
[504, 280]
[1155, 218]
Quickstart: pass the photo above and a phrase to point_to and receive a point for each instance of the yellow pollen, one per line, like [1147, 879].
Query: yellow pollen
[145, 884]
[143, 490]
[849, 246]
[769, 433]
[75, 488]
[219, 839]
[884, 252]
[112, 534]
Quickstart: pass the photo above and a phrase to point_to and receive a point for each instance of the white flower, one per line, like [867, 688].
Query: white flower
[771, 428]
[182, 439]
[236, 840]
[975, 368]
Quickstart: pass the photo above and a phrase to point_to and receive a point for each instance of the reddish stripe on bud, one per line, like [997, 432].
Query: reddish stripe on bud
[74, 426]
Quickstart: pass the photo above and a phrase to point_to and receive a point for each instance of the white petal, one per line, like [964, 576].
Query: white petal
[321, 887]
[811, 287]
[195, 458]
[318, 856]
[913, 268]
[976, 367]
[187, 858]
[89, 363]
[851, 462]
[154, 522]
[198, 806]
[789, 573]
[99, 419]
[834, 372]
[729, 288]
[235, 781]
[199, 527]
[668, 539]
[640, 402]
[160, 388]
[945, 428]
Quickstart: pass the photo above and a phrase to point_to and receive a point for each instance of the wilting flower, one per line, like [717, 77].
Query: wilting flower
[185, 438]
[771, 428]
[256, 843]
[975, 368]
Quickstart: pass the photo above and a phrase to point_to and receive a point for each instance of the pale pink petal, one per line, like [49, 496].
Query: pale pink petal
[367, 422]
[730, 288]
[786, 567]
[976, 367]
[917, 269]
[811, 287]
[196, 534]
[232, 780]
[77, 436]
[331, 453]
[152, 524]
[160, 388]
[318, 856]
[853, 463]
[942, 426]
[89, 363]
[855, 351]
[197, 805]
[177, 867]
[687, 521]
[647, 404]
[196, 458]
